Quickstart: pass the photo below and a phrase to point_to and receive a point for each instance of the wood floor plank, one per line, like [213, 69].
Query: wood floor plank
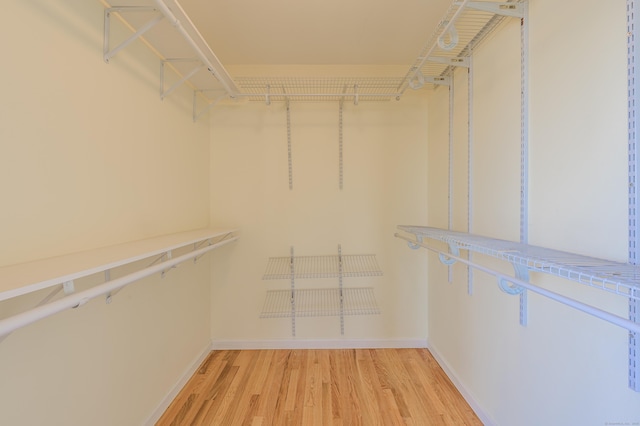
[319, 387]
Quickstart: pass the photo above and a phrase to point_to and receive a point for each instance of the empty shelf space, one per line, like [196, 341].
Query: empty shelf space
[319, 302]
[363, 265]
[616, 277]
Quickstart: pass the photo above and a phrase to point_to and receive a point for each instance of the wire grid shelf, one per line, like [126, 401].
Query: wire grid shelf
[614, 277]
[267, 89]
[320, 302]
[361, 265]
[472, 27]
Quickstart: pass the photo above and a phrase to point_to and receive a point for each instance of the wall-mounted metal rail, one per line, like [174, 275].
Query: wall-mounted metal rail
[60, 273]
[614, 277]
[338, 301]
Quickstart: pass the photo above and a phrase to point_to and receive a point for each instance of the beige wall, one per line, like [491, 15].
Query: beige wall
[384, 185]
[564, 367]
[89, 156]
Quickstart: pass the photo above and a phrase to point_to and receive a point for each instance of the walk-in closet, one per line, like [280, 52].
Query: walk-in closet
[425, 209]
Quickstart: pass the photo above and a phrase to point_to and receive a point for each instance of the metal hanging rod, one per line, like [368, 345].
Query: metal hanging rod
[592, 310]
[72, 299]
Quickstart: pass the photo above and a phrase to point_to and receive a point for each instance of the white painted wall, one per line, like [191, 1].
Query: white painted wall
[564, 367]
[384, 185]
[89, 157]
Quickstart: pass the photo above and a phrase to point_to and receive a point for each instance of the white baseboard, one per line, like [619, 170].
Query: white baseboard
[484, 417]
[190, 371]
[319, 344]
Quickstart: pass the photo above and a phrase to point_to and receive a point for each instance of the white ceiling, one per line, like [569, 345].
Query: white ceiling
[310, 32]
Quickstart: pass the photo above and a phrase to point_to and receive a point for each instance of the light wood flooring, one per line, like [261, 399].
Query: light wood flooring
[320, 387]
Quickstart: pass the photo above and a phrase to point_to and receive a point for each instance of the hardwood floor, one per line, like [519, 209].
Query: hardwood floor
[319, 387]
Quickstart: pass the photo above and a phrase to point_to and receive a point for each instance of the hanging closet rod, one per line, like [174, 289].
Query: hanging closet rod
[591, 310]
[74, 300]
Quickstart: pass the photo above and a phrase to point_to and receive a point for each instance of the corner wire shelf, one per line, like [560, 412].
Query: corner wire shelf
[464, 26]
[622, 279]
[338, 301]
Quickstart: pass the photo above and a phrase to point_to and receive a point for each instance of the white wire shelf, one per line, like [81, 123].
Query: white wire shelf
[320, 302]
[352, 89]
[615, 277]
[168, 30]
[363, 265]
[469, 23]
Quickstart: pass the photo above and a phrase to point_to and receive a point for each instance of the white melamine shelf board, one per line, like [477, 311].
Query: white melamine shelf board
[23, 278]
[616, 277]
[364, 265]
[320, 302]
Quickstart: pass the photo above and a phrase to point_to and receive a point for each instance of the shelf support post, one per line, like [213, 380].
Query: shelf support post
[340, 158]
[633, 87]
[289, 154]
[293, 295]
[341, 292]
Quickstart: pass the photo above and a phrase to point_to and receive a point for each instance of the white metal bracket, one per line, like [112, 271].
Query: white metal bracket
[197, 114]
[164, 93]
[417, 245]
[438, 80]
[107, 278]
[522, 273]
[515, 10]
[168, 257]
[454, 62]
[109, 53]
[454, 250]
[68, 287]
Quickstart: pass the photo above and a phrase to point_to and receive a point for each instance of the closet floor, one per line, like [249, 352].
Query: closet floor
[319, 387]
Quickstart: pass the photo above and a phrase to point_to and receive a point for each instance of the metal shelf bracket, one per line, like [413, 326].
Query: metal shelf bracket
[438, 80]
[521, 273]
[164, 93]
[514, 10]
[454, 250]
[109, 53]
[454, 62]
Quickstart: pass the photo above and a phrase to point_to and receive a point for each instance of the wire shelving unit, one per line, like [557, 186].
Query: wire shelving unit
[165, 27]
[338, 301]
[622, 279]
